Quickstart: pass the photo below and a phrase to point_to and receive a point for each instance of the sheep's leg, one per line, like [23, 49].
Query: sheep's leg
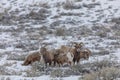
[59, 64]
[70, 63]
[78, 61]
[87, 56]
[27, 63]
[50, 63]
[74, 61]
[62, 64]
[54, 63]
[46, 64]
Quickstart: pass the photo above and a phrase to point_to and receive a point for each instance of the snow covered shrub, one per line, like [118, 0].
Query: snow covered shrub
[91, 76]
[103, 28]
[2, 78]
[100, 64]
[70, 14]
[90, 5]
[84, 31]
[57, 73]
[103, 52]
[1, 16]
[45, 30]
[42, 14]
[116, 20]
[117, 33]
[111, 73]
[44, 4]
[16, 56]
[31, 73]
[79, 0]
[101, 34]
[34, 71]
[56, 79]
[77, 69]
[106, 73]
[60, 32]
[56, 23]
[106, 62]
[3, 11]
[3, 70]
[38, 66]
[8, 78]
[70, 4]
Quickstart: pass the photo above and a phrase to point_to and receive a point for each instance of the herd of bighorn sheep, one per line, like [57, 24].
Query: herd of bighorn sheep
[64, 54]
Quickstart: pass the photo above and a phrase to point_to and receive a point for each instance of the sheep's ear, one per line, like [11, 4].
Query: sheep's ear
[43, 44]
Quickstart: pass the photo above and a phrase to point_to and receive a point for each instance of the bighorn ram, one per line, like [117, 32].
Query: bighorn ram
[85, 50]
[79, 52]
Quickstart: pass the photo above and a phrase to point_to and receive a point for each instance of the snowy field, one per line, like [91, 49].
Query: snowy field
[24, 24]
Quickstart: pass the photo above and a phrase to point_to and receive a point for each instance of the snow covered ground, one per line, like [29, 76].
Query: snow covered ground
[26, 23]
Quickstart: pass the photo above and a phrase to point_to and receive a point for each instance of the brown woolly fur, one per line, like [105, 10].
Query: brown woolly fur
[32, 57]
[60, 59]
[47, 56]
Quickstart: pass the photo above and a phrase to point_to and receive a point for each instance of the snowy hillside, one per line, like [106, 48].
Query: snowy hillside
[26, 24]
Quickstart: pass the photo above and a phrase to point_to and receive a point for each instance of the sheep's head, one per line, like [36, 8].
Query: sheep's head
[43, 49]
[81, 44]
[78, 45]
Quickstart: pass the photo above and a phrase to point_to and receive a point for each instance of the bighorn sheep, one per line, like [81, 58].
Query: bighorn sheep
[34, 56]
[80, 53]
[47, 56]
[85, 50]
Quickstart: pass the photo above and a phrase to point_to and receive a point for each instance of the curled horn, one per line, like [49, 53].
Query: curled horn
[44, 44]
[81, 43]
[74, 44]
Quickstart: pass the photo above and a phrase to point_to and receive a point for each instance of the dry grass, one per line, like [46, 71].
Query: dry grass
[16, 57]
[116, 20]
[102, 34]
[57, 73]
[3, 70]
[106, 73]
[37, 69]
